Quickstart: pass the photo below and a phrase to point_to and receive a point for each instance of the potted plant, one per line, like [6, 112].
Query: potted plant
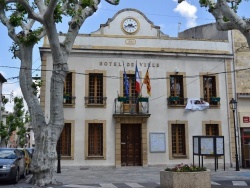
[143, 99]
[66, 96]
[122, 99]
[185, 176]
[173, 98]
[215, 99]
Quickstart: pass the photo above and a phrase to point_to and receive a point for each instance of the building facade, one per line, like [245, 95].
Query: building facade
[108, 123]
[240, 71]
[242, 64]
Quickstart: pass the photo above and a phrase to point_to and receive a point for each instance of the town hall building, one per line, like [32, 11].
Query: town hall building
[108, 123]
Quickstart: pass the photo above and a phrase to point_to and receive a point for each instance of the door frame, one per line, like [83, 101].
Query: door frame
[131, 137]
[144, 137]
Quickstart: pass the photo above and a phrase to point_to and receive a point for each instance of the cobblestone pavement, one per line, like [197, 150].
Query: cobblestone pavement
[131, 177]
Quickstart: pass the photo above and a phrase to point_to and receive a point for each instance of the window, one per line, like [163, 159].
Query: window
[95, 140]
[209, 89]
[95, 88]
[131, 105]
[212, 129]
[68, 89]
[178, 139]
[131, 90]
[176, 89]
[64, 141]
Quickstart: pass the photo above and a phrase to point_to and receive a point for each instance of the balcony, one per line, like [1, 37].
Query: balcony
[176, 101]
[132, 106]
[69, 100]
[213, 101]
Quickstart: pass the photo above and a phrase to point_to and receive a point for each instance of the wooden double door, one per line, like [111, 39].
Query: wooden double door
[131, 145]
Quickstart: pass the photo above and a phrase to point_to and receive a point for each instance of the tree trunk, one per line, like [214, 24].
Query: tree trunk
[3, 143]
[46, 135]
[43, 161]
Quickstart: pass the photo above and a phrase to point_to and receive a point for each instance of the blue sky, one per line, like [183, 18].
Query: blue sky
[167, 14]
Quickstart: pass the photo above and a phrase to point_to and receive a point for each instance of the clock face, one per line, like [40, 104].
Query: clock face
[130, 25]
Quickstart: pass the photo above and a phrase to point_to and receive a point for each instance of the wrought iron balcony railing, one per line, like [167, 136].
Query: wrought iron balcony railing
[177, 101]
[131, 105]
[69, 100]
[213, 101]
[95, 100]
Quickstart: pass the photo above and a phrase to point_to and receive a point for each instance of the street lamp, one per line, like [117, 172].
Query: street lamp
[233, 106]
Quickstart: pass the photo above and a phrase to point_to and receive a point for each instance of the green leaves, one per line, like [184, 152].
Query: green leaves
[16, 20]
[31, 37]
[86, 3]
[15, 120]
[58, 13]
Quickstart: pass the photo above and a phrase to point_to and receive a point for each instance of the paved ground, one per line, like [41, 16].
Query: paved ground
[132, 177]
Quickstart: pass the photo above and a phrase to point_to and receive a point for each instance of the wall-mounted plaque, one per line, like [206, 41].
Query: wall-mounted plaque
[157, 142]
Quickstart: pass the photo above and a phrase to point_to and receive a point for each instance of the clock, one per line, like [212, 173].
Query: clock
[130, 25]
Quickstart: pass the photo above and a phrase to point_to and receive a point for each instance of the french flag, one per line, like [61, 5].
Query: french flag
[137, 80]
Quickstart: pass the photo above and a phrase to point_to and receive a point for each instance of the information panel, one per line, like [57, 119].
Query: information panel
[157, 142]
[196, 146]
[207, 146]
[219, 146]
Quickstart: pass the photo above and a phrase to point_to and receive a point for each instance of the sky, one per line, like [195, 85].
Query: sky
[168, 14]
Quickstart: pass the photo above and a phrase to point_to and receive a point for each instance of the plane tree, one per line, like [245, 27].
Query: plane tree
[225, 14]
[27, 21]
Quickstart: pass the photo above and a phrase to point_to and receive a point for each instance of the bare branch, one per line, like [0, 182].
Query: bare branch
[113, 2]
[226, 16]
[5, 21]
[50, 9]
[235, 20]
[75, 24]
[40, 5]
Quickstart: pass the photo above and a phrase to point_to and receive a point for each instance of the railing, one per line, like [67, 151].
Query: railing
[176, 101]
[131, 105]
[95, 100]
[213, 101]
[69, 100]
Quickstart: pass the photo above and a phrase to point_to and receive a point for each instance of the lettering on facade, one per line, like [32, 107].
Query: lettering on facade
[130, 41]
[127, 64]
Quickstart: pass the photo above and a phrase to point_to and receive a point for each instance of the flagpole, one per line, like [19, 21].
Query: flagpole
[125, 81]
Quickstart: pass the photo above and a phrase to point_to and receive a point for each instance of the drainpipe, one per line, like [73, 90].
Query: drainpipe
[236, 97]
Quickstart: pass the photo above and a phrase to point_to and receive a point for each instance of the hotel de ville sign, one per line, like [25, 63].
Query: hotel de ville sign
[128, 64]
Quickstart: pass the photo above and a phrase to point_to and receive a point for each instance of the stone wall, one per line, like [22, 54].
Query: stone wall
[207, 31]
[242, 56]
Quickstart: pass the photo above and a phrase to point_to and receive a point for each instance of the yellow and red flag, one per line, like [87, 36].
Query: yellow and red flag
[146, 81]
